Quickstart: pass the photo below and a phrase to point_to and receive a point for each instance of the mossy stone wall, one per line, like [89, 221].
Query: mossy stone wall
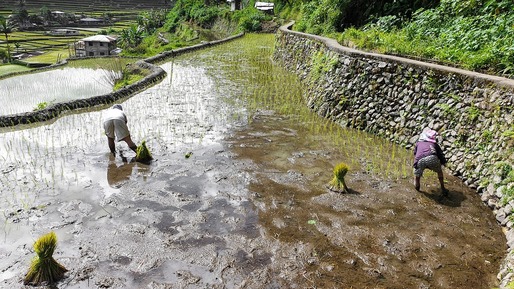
[396, 98]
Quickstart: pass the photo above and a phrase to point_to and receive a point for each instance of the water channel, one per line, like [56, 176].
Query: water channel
[236, 195]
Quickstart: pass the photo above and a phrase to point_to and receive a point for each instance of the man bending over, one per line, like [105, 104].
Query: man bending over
[115, 126]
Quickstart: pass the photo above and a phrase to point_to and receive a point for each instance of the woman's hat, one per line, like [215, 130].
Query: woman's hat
[428, 135]
[431, 135]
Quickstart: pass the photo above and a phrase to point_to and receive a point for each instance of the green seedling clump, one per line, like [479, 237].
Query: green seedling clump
[142, 153]
[338, 184]
[41, 106]
[44, 269]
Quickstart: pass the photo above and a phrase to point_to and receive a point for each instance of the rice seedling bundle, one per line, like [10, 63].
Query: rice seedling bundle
[337, 183]
[44, 269]
[142, 153]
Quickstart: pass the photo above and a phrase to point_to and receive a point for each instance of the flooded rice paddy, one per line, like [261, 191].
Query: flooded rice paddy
[236, 196]
[23, 93]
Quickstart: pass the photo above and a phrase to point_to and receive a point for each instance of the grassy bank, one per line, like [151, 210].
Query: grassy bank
[11, 68]
[476, 35]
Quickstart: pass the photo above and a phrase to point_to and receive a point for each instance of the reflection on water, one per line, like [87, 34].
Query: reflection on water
[121, 169]
[118, 174]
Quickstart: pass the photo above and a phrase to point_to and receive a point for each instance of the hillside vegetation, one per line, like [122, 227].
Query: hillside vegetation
[473, 34]
[144, 32]
[189, 21]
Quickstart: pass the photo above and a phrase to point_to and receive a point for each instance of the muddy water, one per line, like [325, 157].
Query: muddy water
[236, 196]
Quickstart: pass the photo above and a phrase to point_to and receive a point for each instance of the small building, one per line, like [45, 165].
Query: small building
[91, 21]
[63, 32]
[265, 7]
[98, 45]
[58, 13]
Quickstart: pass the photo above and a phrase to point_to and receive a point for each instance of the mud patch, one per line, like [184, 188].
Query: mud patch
[382, 235]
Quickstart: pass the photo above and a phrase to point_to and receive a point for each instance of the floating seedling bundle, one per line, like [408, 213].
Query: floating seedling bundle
[338, 184]
[142, 153]
[44, 269]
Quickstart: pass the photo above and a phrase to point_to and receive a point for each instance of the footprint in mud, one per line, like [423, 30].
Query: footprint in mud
[454, 198]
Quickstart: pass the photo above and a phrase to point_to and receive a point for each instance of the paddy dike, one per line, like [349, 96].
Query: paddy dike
[248, 208]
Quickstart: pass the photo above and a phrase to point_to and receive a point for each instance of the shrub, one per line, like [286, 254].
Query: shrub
[205, 16]
[473, 113]
[129, 74]
[249, 19]
[504, 169]
[41, 106]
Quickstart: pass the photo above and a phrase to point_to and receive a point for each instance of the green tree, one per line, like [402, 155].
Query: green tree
[131, 37]
[45, 13]
[3, 54]
[20, 14]
[6, 29]
[149, 21]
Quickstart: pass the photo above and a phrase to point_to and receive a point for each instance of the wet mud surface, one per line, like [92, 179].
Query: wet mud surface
[383, 234]
[248, 207]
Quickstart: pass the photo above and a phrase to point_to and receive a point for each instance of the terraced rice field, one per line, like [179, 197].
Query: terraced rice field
[58, 47]
[33, 42]
[7, 69]
[236, 195]
[96, 5]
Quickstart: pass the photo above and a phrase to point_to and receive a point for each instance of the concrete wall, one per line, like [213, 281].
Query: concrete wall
[396, 98]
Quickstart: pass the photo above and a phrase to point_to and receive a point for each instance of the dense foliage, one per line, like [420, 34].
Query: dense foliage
[477, 35]
[6, 29]
[474, 34]
[186, 23]
[206, 13]
[327, 16]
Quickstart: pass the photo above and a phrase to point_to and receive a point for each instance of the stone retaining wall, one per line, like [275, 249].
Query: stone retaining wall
[396, 98]
[155, 76]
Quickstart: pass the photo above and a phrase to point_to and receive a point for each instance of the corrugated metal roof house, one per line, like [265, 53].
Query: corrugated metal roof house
[98, 45]
[265, 6]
